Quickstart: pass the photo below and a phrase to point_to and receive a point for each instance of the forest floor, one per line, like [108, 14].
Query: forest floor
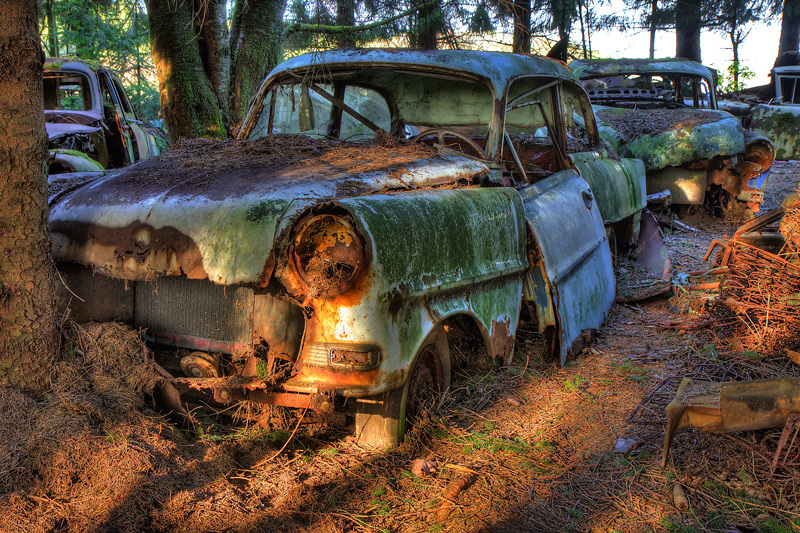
[531, 447]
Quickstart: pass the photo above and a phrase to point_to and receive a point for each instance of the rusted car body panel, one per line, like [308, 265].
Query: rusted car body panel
[773, 110]
[90, 122]
[332, 275]
[781, 123]
[665, 113]
[571, 254]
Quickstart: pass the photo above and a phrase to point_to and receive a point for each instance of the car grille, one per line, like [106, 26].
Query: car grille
[195, 308]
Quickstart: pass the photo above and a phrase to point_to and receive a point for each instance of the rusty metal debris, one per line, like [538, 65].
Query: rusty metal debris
[731, 406]
[760, 281]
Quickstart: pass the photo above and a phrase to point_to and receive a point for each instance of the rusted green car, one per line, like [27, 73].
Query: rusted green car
[91, 124]
[773, 110]
[378, 208]
[664, 111]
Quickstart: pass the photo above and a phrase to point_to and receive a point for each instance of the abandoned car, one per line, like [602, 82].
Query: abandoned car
[377, 208]
[89, 119]
[773, 110]
[664, 111]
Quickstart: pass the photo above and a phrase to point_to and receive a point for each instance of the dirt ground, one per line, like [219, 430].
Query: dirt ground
[532, 447]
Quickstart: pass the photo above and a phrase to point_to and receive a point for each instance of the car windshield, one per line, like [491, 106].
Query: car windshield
[68, 91]
[354, 104]
[655, 88]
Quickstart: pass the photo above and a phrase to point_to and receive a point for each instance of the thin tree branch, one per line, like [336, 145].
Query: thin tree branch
[320, 28]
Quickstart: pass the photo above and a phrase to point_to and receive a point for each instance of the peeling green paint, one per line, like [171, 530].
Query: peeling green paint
[265, 210]
[780, 124]
[617, 185]
[412, 234]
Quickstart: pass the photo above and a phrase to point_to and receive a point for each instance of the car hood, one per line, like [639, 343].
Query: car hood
[215, 209]
[59, 129]
[670, 137]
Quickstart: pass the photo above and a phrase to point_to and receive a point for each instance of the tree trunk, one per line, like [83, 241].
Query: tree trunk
[188, 102]
[255, 50]
[653, 9]
[28, 334]
[52, 29]
[426, 25]
[790, 27]
[345, 16]
[687, 29]
[213, 41]
[735, 45]
[583, 24]
[522, 26]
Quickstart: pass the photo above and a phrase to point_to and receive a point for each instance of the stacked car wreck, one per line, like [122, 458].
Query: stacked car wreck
[376, 205]
[664, 112]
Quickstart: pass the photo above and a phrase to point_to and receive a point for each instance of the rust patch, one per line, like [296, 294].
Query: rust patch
[502, 340]
[136, 252]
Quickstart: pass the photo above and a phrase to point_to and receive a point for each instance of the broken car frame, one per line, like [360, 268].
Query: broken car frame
[664, 111]
[91, 125]
[338, 282]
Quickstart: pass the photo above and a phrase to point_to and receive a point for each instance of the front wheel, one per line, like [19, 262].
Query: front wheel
[381, 420]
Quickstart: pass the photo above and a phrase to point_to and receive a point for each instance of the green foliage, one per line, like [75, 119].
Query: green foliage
[728, 81]
[574, 384]
[113, 33]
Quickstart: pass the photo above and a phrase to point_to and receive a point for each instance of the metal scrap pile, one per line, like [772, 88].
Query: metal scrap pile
[761, 286]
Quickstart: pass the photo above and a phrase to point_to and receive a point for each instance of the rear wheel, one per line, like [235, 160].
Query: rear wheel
[381, 420]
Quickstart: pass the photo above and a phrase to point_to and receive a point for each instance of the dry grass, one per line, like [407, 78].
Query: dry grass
[527, 448]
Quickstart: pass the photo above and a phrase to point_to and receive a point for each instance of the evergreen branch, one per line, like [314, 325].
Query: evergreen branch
[334, 30]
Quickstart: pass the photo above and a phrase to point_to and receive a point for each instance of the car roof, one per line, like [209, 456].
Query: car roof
[497, 68]
[600, 68]
[71, 63]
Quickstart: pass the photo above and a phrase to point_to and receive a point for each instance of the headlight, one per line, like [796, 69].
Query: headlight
[328, 255]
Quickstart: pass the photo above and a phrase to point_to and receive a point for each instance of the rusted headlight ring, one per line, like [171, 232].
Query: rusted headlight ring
[328, 254]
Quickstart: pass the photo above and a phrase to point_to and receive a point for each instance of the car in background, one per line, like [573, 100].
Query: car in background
[773, 110]
[664, 111]
[90, 123]
[379, 211]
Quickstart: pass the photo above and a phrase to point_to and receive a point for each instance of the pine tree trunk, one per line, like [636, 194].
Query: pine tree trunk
[345, 16]
[28, 335]
[255, 50]
[214, 46]
[188, 102]
[426, 25]
[687, 29]
[522, 26]
[653, 10]
[790, 27]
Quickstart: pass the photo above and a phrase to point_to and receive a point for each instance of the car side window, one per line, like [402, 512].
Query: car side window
[127, 109]
[579, 121]
[533, 127]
